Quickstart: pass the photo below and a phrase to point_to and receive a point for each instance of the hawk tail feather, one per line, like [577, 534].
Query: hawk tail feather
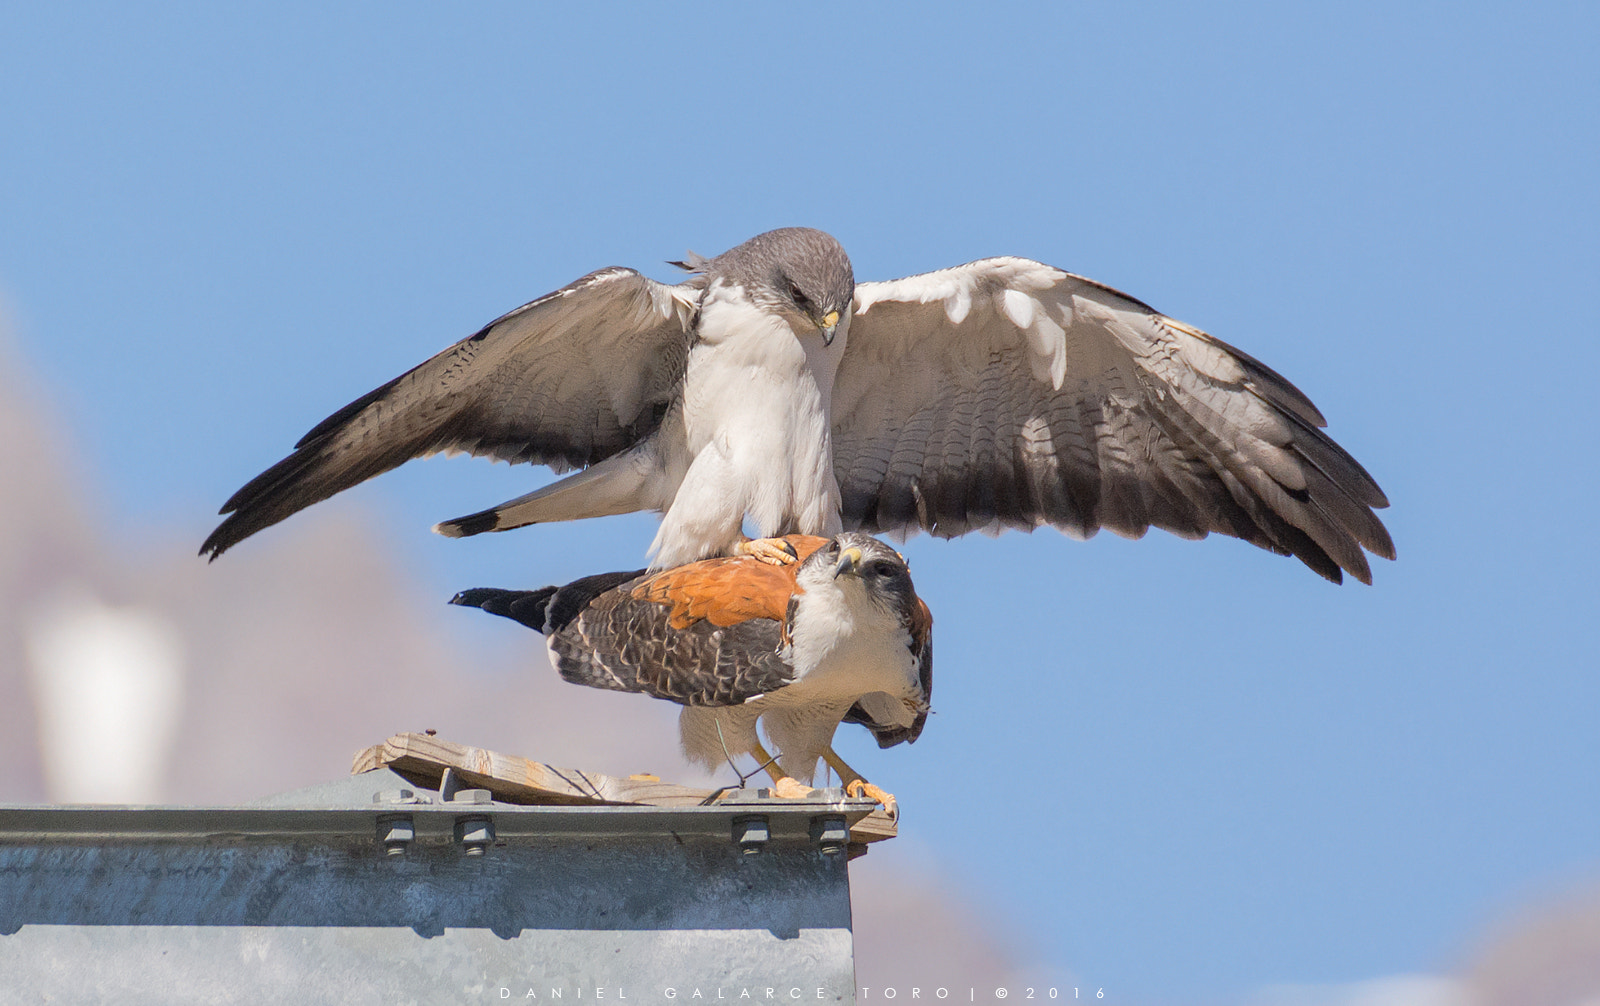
[526, 607]
[622, 483]
[548, 609]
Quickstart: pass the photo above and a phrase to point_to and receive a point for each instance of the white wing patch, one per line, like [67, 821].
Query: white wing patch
[959, 303]
[1047, 341]
[1018, 306]
[886, 709]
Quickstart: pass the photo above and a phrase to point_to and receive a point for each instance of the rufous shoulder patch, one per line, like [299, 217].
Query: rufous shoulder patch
[727, 590]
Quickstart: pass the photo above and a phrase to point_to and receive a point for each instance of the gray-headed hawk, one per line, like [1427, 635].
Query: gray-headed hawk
[771, 387]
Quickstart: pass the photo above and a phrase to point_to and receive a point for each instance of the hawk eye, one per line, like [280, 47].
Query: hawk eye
[882, 568]
[798, 296]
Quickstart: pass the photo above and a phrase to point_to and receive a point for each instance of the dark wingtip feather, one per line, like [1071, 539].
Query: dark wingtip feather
[568, 602]
[230, 533]
[334, 423]
[295, 482]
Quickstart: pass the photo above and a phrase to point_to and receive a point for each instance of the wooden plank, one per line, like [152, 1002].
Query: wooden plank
[875, 827]
[423, 758]
[518, 780]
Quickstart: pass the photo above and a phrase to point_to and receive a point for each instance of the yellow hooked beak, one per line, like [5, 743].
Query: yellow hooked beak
[830, 325]
[849, 559]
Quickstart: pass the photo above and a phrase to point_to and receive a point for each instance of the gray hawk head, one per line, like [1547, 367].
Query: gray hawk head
[795, 271]
[877, 571]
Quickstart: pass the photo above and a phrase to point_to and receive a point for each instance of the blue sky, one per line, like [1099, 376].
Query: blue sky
[1187, 770]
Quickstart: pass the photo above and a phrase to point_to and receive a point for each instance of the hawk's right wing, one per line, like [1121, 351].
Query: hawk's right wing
[566, 380]
[1008, 393]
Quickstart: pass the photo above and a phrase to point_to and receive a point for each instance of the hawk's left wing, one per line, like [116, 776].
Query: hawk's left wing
[1008, 393]
[568, 380]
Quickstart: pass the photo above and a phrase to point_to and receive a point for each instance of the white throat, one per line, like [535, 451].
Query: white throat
[845, 640]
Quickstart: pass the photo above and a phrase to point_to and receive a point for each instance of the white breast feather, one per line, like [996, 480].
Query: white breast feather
[846, 645]
[756, 418]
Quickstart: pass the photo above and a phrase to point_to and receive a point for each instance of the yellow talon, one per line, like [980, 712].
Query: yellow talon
[773, 551]
[861, 788]
[789, 788]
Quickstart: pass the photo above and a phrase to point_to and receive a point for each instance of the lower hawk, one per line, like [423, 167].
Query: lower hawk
[837, 635]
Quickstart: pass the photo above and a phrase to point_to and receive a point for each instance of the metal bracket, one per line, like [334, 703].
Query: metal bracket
[751, 833]
[475, 833]
[396, 831]
[831, 832]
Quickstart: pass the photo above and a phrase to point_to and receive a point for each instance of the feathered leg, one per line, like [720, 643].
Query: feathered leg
[783, 786]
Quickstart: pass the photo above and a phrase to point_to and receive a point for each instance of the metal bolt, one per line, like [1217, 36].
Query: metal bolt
[472, 796]
[475, 833]
[831, 832]
[751, 833]
[396, 831]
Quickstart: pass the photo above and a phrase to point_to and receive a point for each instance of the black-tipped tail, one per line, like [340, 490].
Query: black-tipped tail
[525, 606]
[548, 609]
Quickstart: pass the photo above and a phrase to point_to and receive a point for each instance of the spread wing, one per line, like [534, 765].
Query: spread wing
[1007, 393]
[566, 380]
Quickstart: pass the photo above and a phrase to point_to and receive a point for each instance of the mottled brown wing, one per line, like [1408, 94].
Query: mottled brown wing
[632, 644]
[710, 633]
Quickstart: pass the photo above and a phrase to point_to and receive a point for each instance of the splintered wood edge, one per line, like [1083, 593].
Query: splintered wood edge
[423, 759]
[875, 827]
[367, 760]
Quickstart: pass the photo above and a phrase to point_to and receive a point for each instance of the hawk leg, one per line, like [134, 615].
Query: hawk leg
[783, 786]
[856, 786]
[789, 788]
[773, 551]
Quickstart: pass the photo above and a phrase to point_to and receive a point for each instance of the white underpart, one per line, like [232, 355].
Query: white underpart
[756, 401]
[846, 646]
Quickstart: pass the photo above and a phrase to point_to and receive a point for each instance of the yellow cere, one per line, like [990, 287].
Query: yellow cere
[831, 319]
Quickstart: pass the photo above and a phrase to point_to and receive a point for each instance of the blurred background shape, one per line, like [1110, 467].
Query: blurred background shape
[108, 687]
